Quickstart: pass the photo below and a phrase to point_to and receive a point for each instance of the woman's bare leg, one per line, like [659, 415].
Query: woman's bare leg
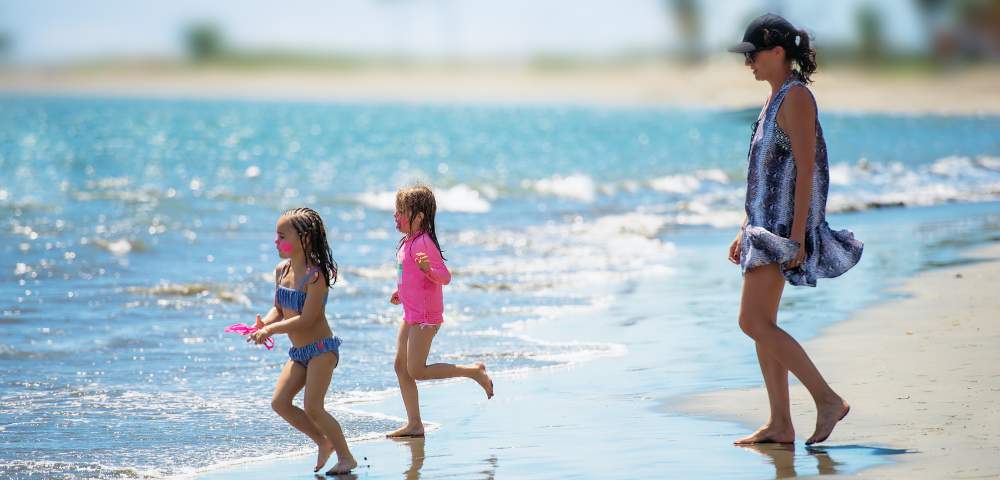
[778, 428]
[762, 288]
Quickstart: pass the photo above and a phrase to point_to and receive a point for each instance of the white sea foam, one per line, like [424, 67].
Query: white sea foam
[577, 187]
[866, 185]
[459, 198]
[689, 183]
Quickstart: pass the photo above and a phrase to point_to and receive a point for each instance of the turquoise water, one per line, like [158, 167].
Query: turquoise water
[134, 231]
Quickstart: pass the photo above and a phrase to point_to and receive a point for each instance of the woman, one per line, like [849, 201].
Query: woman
[785, 236]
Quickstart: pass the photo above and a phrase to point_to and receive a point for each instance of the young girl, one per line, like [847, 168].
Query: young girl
[785, 236]
[420, 273]
[302, 283]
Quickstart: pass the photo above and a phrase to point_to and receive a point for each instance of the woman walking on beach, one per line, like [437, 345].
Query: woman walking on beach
[785, 236]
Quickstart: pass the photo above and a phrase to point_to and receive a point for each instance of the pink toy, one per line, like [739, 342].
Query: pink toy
[244, 329]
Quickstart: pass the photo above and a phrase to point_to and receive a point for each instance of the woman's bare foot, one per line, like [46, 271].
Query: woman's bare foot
[827, 416]
[407, 431]
[769, 434]
[325, 450]
[344, 465]
[484, 380]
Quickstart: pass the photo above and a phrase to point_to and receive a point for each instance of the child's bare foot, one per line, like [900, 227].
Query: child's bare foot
[407, 431]
[344, 465]
[484, 380]
[769, 434]
[827, 416]
[325, 450]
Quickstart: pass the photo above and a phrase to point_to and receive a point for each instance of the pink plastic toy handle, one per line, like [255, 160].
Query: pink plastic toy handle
[244, 329]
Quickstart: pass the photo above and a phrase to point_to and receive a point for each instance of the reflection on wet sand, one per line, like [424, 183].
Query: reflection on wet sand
[418, 454]
[787, 461]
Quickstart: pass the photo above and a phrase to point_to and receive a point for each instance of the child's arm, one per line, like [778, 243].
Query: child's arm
[429, 260]
[273, 315]
[311, 312]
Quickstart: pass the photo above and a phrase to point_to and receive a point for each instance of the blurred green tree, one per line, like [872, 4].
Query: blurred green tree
[687, 15]
[203, 42]
[5, 44]
[869, 24]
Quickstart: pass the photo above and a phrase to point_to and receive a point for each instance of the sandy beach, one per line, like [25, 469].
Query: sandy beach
[722, 82]
[920, 374]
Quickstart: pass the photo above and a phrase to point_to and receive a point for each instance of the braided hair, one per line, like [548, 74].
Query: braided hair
[309, 226]
[419, 199]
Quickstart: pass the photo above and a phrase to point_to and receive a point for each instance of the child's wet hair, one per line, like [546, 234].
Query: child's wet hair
[419, 199]
[309, 226]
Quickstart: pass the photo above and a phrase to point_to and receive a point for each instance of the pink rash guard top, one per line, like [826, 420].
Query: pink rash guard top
[420, 291]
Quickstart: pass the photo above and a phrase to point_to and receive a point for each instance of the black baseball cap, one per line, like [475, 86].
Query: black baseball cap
[760, 34]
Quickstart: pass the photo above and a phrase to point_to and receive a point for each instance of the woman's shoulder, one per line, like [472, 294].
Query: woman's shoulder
[798, 102]
[798, 92]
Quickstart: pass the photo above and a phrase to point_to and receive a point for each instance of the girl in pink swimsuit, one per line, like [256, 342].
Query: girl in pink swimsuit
[420, 274]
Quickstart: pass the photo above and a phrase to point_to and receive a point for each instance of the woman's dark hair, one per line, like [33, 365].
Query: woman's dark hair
[419, 199]
[308, 224]
[798, 49]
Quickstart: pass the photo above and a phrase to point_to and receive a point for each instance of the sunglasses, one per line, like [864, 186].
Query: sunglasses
[752, 56]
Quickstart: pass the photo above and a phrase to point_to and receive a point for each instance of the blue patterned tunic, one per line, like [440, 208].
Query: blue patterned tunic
[770, 205]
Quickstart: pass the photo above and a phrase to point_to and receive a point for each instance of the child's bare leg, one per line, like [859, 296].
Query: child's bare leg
[419, 346]
[408, 388]
[318, 377]
[290, 383]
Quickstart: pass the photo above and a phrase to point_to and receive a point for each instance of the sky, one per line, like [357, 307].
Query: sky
[55, 31]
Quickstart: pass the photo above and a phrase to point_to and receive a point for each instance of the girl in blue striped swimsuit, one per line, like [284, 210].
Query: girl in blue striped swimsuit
[302, 282]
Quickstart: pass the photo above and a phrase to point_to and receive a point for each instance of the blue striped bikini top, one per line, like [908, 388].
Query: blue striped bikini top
[288, 298]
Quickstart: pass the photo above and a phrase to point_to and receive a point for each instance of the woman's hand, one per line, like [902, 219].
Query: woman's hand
[734, 248]
[394, 299]
[422, 261]
[258, 324]
[800, 256]
[260, 336]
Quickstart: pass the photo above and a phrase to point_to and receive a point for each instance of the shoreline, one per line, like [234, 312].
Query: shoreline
[715, 85]
[918, 372]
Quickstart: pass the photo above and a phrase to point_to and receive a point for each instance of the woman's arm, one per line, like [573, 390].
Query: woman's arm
[797, 118]
[734, 247]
